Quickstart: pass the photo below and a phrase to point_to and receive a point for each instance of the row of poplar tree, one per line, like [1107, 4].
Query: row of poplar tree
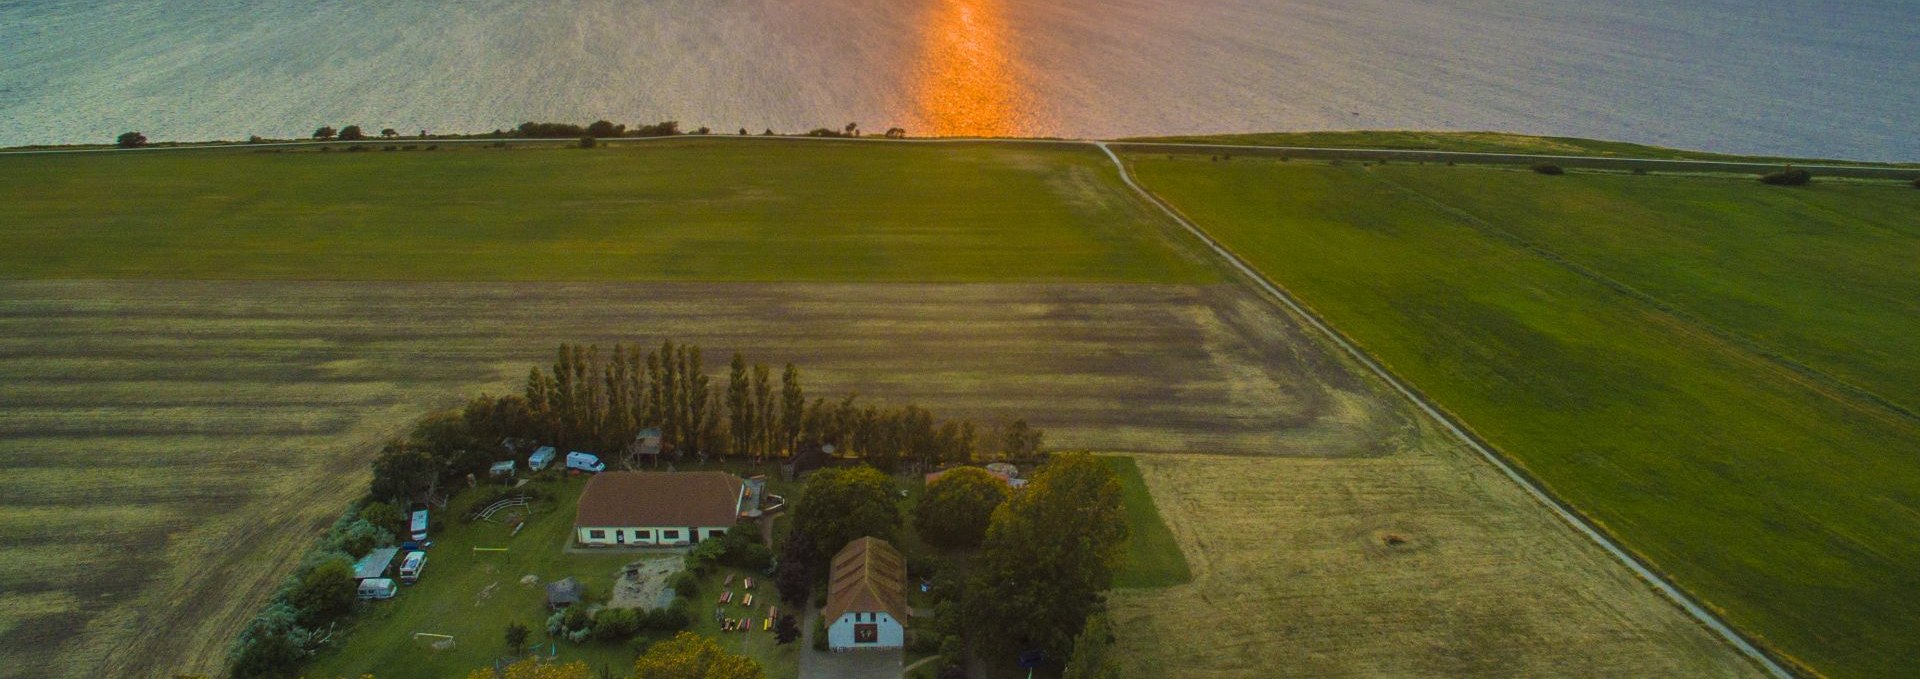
[600, 401]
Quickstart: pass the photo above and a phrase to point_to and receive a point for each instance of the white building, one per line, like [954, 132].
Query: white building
[867, 597]
[662, 509]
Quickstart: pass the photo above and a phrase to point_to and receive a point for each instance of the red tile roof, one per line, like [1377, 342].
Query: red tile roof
[667, 499]
[868, 575]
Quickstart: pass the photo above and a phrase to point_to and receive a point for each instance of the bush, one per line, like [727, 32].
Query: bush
[1791, 176]
[820, 633]
[587, 142]
[670, 619]
[616, 624]
[1548, 169]
[685, 584]
[1916, 183]
[324, 593]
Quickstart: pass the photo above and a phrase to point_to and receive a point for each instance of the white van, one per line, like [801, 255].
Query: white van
[586, 462]
[377, 588]
[419, 525]
[411, 567]
[541, 458]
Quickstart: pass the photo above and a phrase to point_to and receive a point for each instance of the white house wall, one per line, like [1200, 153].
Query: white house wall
[610, 536]
[840, 634]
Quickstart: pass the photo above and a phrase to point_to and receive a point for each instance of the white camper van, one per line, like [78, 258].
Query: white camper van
[586, 462]
[541, 458]
[377, 588]
[419, 525]
[411, 567]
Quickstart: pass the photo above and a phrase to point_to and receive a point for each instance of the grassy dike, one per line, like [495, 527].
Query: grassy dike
[1787, 505]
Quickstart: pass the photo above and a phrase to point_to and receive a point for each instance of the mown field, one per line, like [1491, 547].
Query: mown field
[699, 210]
[1423, 563]
[1667, 415]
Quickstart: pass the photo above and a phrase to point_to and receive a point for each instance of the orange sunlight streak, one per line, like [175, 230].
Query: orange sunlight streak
[965, 79]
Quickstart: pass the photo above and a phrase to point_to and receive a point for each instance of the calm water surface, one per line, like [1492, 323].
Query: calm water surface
[1761, 76]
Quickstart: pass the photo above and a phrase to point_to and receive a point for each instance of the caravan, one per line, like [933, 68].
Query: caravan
[540, 458]
[419, 525]
[586, 462]
[377, 588]
[411, 567]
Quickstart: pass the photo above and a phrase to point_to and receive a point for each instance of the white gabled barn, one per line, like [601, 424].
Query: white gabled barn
[867, 597]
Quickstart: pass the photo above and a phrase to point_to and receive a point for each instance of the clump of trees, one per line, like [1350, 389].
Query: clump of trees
[324, 132]
[691, 656]
[955, 510]
[1791, 176]
[1048, 556]
[352, 133]
[599, 129]
[1540, 168]
[129, 140]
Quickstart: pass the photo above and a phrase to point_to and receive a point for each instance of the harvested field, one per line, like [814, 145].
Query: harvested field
[1425, 562]
[169, 448]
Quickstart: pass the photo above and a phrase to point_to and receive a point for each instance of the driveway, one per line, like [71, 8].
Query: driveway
[846, 664]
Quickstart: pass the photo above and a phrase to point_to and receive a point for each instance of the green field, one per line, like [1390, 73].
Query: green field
[681, 210]
[1153, 558]
[1470, 142]
[1791, 506]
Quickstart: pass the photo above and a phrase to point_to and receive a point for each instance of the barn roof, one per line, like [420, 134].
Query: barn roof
[691, 499]
[868, 576]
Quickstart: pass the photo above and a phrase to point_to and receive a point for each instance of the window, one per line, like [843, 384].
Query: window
[669, 535]
[596, 535]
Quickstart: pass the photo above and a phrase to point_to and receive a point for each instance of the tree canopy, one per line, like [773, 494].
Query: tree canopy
[129, 140]
[691, 656]
[956, 508]
[534, 669]
[1049, 552]
[839, 506]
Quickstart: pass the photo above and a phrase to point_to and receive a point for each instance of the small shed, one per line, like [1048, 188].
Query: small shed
[375, 563]
[563, 593]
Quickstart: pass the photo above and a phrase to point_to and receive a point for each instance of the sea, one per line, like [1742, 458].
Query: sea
[1837, 79]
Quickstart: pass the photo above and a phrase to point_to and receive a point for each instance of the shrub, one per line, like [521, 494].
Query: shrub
[616, 624]
[820, 633]
[587, 142]
[1640, 171]
[1791, 176]
[324, 593]
[1549, 169]
[670, 619]
[685, 584]
[1916, 183]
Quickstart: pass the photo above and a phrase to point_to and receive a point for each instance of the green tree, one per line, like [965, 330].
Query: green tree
[534, 669]
[956, 508]
[839, 506]
[1049, 553]
[389, 133]
[324, 593]
[787, 629]
[763, 415]
[130, 140]
[352, 133]
[739, 408]
[1093, 656]
[324, 132]
[793, 409]
[604, 129]
[691, 656]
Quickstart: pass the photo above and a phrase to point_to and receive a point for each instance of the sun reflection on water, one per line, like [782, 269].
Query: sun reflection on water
[966, 83]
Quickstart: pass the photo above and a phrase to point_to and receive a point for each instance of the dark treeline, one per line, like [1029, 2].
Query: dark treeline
[599, 401]
[599, 128]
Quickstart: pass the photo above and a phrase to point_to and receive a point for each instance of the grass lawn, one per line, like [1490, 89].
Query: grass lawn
[1153, 557]
[1469, 142]
[1790, 507]
[694, 210]
[474, 595]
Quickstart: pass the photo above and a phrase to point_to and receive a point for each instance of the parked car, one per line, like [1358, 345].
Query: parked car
[419, 525]
[541, 458]
[411, 567]
[586, 462]
[378, 588]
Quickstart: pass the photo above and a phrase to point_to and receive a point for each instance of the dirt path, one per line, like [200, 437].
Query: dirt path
[1459, 431]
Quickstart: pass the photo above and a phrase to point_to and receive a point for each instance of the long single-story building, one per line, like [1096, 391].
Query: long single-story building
[657, 508]
[867, 597]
